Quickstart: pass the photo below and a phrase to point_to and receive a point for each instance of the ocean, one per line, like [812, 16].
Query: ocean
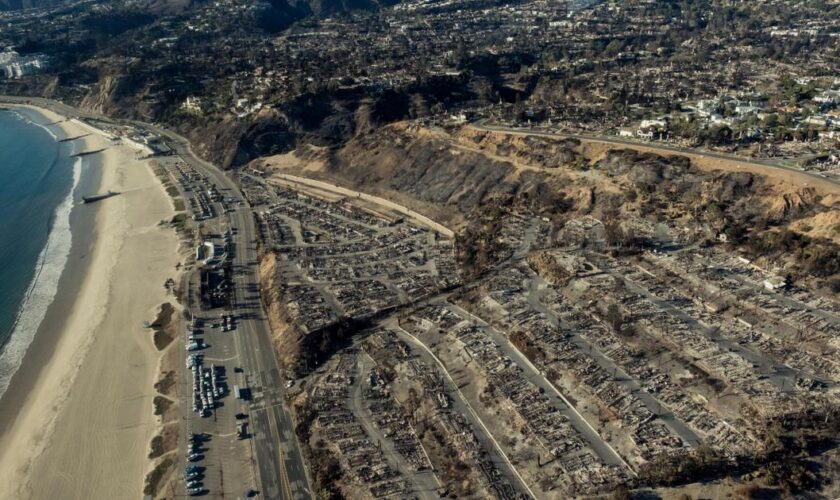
[37, 179]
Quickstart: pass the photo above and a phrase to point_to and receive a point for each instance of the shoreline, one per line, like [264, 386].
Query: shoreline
[90, 351]
[82, 234]
[52, 258]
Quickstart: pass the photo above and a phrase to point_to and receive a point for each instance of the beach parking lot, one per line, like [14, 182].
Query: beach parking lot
[250, 443]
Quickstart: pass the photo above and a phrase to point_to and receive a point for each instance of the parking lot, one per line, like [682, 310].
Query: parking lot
[231, 390]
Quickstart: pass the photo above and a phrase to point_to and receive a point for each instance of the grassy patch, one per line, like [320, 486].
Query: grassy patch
[172, 191]
[161, 405]
[156, 447]
[165, 442]
[164, 326]
[166, 383]
[162, 339]
[179, 220]
[164, 316]
[154, 479]
[179, 204]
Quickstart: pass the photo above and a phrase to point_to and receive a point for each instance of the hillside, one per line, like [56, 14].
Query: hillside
[28, 4]
[478, 177]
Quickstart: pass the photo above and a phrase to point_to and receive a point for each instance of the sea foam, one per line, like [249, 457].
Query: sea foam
[20, 116]
[43, 287]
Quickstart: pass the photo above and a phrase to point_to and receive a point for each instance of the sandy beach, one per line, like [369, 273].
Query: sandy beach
[77, 419]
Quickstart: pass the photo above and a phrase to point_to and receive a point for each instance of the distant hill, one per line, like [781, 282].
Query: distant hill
[28, 4]
[276, 15]
[326, 7]
[156, 6]
[172, 6]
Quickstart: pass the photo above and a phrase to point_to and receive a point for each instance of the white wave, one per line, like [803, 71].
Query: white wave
[33, 122]
[49, 131]
[43, 287]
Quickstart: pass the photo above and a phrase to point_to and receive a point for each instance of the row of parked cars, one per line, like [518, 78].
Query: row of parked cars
[194, 474]
[209, 386]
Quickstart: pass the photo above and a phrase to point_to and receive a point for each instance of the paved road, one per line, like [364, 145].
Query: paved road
[280, 465]
[780, 297]
[462, 406]
[782, 376]
[425, 482]
[533, 375]
[768, 164]
[536, 290]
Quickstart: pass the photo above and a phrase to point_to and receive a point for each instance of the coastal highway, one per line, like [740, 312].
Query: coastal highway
[280, 466]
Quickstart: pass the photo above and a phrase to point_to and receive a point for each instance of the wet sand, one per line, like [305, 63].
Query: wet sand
[77, 418]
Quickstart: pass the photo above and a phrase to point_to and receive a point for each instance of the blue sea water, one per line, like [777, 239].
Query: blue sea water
[37, 176]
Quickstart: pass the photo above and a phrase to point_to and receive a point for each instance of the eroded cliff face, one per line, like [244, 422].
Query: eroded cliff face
[529, 150]
[100, 99]
[298, 349]
[462, 175]
[425, 167]
[283, 331]
[426, 170]
[470, 170]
